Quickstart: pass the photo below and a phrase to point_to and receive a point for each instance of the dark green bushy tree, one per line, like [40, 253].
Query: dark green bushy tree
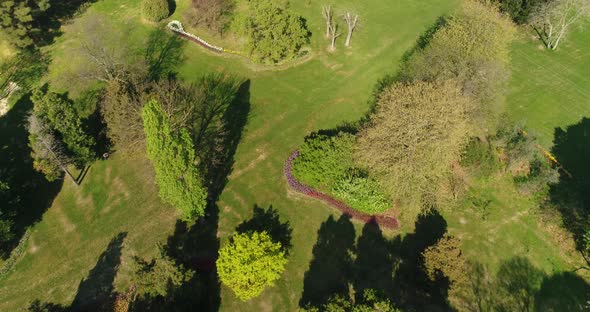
[19, 20]
[61, 116]
[155, 10]
[274, 32]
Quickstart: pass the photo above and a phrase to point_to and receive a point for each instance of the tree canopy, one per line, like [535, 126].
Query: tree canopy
[249, 262]
[274, 32]
[19, 20]
[173, 155]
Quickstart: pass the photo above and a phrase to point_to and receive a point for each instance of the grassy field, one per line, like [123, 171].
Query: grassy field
[118, 195]
[550, 89]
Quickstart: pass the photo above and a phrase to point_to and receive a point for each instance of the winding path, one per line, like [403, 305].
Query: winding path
[383, 221]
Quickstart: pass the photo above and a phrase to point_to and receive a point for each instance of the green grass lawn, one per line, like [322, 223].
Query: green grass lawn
[550, 89]
[118, 195]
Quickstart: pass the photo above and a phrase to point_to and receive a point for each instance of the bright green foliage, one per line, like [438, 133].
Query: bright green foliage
[361, 192]
[325, 162]
[274, 32]
[173, 156]
[156, 277]
[24, 70]
[249, 262]
[62, 116]
[324, 159]
[155, 10]
[19, 20]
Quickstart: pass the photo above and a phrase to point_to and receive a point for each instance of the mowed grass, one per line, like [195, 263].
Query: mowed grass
[550, 89]
[118, 195]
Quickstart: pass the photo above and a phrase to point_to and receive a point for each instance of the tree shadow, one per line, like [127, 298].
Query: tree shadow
[330, 270]
[96, 291]
[164, 53]
[412, 287]
[57, 15]
[30, 193]
[195, 245]
[394, 268]
[520, 286]
[571, 148]
[374, 265]
[268, 220]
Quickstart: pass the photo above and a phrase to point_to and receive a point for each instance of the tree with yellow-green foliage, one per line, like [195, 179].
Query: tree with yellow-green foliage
[173, 155]
[417, 131]
[249, 262]
[472, 47]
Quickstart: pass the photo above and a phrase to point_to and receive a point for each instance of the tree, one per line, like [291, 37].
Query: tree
[417, 131]
[157, 277]
[121, 107]
[173, 155]
[472, 47]
[553, 19]
[48, 153]
[212, 14]
[327, 13]
[155, 10]
[351, 21]
[19, 20]
[61, 116]
[519, 10]
[445, 259]
[274, 32]
[249, 262]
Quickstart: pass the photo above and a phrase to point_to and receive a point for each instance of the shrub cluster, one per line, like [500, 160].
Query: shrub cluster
[326, 163]
[155, 10]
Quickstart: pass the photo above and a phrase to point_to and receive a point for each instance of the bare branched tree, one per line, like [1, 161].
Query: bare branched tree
[334, 34]
[327, 13]
[553, 19]
[351, 21]
[48, 151]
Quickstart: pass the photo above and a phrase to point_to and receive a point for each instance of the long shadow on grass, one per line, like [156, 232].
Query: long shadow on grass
[393, 268]
[164, 53]
[571, 196]
[58, 13]
[268, 220]
[196, 245]
[96, 292]
[520, 286]
[30, 194]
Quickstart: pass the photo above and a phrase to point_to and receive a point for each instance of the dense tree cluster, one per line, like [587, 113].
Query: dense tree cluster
[369, 303]
[273, 31]
[156, 277]
[20, 20]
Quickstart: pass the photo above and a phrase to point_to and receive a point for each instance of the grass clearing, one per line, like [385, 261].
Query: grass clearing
[550, 89]
[118, 195]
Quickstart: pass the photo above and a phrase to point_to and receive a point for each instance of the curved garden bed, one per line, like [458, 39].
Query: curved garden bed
[383, 221]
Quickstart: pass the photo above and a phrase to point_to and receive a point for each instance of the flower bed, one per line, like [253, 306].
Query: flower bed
[383, 221]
